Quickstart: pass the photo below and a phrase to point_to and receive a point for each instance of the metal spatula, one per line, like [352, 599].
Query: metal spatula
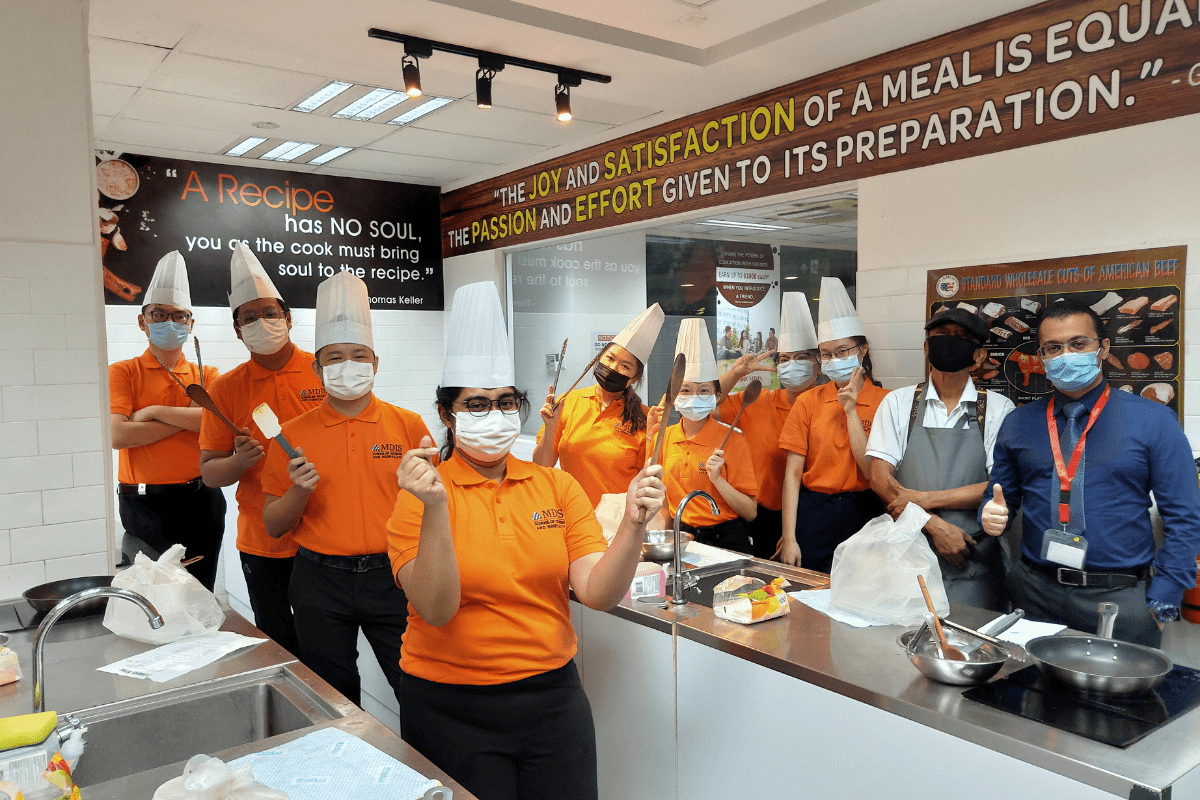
[676, 382]
[268, 423]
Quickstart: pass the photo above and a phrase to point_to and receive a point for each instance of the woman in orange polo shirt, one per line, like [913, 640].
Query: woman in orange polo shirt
[825, 484]
[598, 433]
[762, 421]
[693, 458]
[487, 547]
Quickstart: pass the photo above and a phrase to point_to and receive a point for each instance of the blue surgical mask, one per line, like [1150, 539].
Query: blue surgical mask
[839, 370]
[794, 374]
[168, 335]
[1070, 372]
[695, 407]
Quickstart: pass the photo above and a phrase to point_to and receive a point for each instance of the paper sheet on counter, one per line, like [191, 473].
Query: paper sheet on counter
[703, 555]
[334, 765]
[821, 600]
[1025, 629]
[179, 658]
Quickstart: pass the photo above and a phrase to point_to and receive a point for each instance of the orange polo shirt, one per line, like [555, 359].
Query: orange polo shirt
[356, 457]
[515, 542]
[594, 445]
[761, 423]
[683, 462]
[140, 382]
[816, 429]
[290, 392]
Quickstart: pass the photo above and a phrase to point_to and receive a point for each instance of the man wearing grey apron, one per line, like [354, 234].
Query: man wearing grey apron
[931, 444]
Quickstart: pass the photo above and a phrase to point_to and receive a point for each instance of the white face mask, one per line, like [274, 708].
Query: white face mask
[265, 336]
[695, 407]
[348, 380]
[795, 373]
[487, 438]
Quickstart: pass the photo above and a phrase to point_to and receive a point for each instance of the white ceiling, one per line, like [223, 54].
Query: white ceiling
[188, 79]
[827, 221]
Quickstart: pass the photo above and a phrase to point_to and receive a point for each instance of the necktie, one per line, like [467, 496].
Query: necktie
[1076, 415]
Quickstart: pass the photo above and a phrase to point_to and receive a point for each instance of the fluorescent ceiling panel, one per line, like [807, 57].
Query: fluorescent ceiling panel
[283, 152]
[371, 104]
[754, 226]
[322, 96]
[330, 155]
[430, 105]
[245, 146]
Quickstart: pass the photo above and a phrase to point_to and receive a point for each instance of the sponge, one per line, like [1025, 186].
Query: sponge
[26, 729]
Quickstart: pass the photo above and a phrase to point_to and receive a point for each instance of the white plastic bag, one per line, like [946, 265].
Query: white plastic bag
[187, 608]
[206, 778]
[875, 571]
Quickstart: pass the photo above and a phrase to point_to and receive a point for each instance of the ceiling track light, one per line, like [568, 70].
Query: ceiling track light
[489, 64]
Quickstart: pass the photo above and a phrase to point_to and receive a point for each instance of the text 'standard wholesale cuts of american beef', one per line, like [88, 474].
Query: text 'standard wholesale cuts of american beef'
[1138, 294]
[302, 227]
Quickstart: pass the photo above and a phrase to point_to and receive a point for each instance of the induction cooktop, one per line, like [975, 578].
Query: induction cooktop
[1116, 721]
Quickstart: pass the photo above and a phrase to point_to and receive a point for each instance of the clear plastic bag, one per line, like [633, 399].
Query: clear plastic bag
[747, 600]
[875, 571]
[206, 778]
[187, 608]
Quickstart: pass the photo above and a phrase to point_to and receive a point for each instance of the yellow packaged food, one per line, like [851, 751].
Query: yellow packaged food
[748, 600]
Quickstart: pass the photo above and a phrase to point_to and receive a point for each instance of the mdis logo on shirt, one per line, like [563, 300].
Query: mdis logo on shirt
[548, 519]
[623, 428]
[312, 395]
[386, 451]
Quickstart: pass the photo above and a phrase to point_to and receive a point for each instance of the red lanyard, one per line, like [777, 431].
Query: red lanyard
[1066, 473]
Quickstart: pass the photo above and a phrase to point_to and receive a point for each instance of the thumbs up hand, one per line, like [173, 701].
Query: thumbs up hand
[995, 513]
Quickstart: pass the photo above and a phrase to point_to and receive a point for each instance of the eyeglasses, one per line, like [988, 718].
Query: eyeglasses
[251, 317]
[701, 393]
[1079, 344]
[841, 352]
[482, 406]
[158, 315]
[783, 358]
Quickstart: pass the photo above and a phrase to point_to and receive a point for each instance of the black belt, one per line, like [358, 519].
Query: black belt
[351, 563]
[160, 488]
[1110, 579]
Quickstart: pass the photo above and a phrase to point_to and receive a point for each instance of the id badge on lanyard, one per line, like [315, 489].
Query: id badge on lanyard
[1059, 546]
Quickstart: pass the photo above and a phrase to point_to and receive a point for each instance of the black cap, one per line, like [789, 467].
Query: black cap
[975, 326]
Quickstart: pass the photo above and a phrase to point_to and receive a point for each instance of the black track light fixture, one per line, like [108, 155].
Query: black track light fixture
[412, 75]
[562, 94]
[488, 67]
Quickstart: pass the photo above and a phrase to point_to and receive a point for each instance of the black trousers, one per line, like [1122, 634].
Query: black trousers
[823, 521]
[765, 531]
[532, 739]
[330, 605]
[191, 516]
[267, 581]
[732, 534]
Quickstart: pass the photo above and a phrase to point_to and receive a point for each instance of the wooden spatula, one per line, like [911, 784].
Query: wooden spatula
[668, 400]
[203, 399]
[586, 371]
[948, 652]
[753, 390]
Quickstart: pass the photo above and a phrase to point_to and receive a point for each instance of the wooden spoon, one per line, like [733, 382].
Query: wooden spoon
[668, 400]
[753, 390]
[948, 652]
[203, 399]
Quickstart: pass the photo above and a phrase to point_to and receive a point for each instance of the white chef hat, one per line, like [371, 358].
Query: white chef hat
[796, 330]
[247, 278]
[343, 311]
[169, 286]
[837, 318]
[697, 348]
[478, 351]
[640, 335]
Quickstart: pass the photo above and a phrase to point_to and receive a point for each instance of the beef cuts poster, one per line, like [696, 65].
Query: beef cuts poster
[1138, 294]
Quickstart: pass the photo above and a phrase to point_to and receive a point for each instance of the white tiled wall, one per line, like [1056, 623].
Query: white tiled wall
[54, 507]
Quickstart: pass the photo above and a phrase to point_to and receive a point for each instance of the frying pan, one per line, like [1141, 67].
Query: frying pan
[1099, 664]
[48, 595]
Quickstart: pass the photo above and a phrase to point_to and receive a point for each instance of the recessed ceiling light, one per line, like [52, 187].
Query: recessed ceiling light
[288, 151]
[791, 277]
[245, 146]
[322, 96]
[371, 104]
[686, 285]
[430, 105]
[754, 226]
[330, 155]
[266, 126]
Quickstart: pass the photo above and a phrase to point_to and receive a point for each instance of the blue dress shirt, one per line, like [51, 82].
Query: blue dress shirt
[1135, 447]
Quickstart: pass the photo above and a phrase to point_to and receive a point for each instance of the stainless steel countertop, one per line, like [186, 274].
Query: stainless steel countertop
[867, 665]
[76, 648]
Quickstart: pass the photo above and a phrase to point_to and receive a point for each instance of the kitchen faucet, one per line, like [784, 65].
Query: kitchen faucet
[677, 585]
[39, 638]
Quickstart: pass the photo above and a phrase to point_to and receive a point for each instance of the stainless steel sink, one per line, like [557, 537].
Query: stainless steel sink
[156, 730]
[708, 578]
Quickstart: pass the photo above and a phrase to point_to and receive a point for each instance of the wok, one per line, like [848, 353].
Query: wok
[45, 597]
[1098, 664]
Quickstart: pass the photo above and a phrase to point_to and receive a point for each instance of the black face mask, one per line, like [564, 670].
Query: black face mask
[951, 353]
[609, 379]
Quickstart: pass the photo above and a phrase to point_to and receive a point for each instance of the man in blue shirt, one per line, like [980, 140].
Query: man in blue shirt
[1086, 527]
